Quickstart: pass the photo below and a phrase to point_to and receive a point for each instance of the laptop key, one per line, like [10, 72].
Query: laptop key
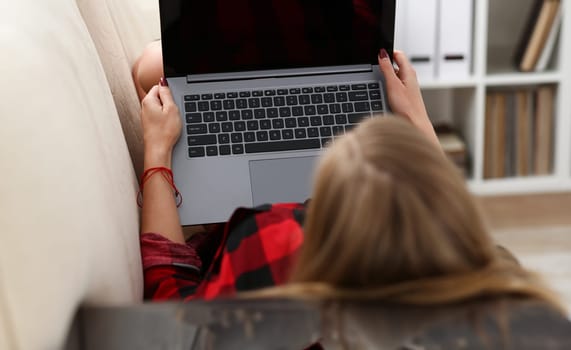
[214, 128]
[224, 138]
[203, 106]
[259, 113]
[269, 92]
[275, 135]
[332, 88]
[373, 86]
[338, 130]
[249, 137]
[315, 121]
[237, 149]
[196, 129]
[234, 115]
[344, 88]
[326, 141]
[272, 112]
[192, 97]
[322, 109]
[220, 96]
[195, 152]
[278, 123]
[193, 118]
[201, 140]
[325, 131]
[307, 90]
[300, 133]
[356, 118]
[316, 99]
[190, 107]
[303, 122]
[291, 123]
[236, 137]
[287, 134]
[335, 108]
[258, 93]
[254, 103]
[328, 120]
[376, 106]
[224, 150]
[267, 102]
[319, 89]
[221, 116]
[244, 93]
[362, 107]
[304, 100]
[312, 132]
[262, 136]
[297, 111]
[252, 125]
[358, 96]
[341, 119]
[241, 103]
[291, 100]
[265, 124]
[207, 96]
[240, 126]
[247, 114]
[285, 112]
[208, 117]
[279, 101]
[359, 87]
[211, 151]
[329, 98]
[375, 95]
[295, 91]
[282, 92]
[227, 127]
[310, 110]
[232, 95]
[293, 145]
[229, 104]
[341, 97]
[347, 108]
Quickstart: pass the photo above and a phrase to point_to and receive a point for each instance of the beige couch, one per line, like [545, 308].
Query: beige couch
[70, 149]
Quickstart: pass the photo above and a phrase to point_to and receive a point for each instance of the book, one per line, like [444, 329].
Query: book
[499, 135]
[453, 146]
[522, 133]
[510, 134]
[550, 43]
[488, 135]
[543, 150]
[537, 30]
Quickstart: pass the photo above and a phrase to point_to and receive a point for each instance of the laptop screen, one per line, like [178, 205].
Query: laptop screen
[221, 36]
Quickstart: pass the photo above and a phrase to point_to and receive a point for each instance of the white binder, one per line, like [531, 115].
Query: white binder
[455, 34]
[415, 34]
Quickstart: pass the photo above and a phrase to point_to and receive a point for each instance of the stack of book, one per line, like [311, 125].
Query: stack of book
[539, 37]
[519, 132]
[453, 146]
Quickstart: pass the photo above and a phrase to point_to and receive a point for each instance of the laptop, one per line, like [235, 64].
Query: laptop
[263, 87]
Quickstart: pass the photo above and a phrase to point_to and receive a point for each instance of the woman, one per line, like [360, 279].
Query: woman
[390, 218]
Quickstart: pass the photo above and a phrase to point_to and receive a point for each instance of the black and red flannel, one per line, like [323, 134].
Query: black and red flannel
[255, 249]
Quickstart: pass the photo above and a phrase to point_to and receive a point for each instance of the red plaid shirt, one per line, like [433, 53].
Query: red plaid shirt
[255, 249]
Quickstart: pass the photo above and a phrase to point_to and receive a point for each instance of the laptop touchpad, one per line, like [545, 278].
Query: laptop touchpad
[282, 180]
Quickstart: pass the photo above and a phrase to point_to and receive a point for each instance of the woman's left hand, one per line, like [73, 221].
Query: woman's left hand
[161, 121]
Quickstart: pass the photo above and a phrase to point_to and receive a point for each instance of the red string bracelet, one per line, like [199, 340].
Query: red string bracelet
[167, 175]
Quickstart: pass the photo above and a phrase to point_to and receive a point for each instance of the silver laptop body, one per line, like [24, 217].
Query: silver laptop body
[227, 158]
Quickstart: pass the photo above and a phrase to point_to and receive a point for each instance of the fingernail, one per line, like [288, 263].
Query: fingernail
[383, 54]
[163, 82]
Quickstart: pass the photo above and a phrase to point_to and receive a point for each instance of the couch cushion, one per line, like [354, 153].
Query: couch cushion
[68, 218]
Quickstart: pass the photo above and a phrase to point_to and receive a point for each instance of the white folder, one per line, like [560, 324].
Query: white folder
[455, 33]
[416, 29]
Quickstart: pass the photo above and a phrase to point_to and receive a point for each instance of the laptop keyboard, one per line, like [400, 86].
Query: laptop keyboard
[271, 120]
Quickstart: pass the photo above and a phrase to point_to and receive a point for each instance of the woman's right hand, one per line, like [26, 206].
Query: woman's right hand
[403, 90]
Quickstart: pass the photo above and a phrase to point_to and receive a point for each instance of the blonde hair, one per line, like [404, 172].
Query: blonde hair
[391, 218]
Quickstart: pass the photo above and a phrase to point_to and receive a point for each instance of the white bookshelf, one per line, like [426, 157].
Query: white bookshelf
[497, 29]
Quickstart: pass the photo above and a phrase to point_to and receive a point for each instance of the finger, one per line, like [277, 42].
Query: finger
[166, 96]
[406, 70]
[152, 97]
[388, 71]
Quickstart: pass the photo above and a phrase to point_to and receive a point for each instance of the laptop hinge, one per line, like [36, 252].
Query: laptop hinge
[282, 73]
